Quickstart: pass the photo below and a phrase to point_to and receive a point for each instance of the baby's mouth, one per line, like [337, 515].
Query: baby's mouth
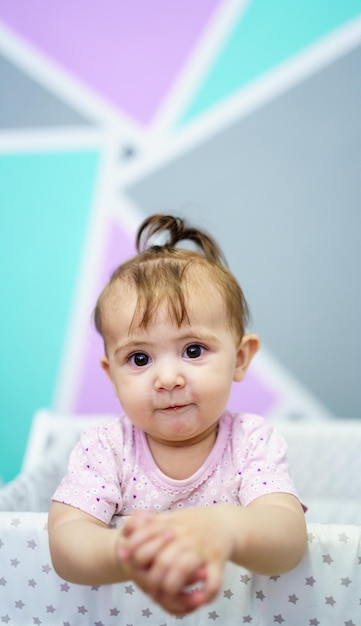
[174, 407]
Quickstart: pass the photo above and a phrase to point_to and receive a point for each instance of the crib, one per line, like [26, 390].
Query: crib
[323, 590]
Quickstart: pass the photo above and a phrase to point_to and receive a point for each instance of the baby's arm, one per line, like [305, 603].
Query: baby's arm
[275, 536]
[267, 537]
[83, 549]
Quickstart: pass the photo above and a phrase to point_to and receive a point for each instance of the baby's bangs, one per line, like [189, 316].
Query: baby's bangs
[157, 285]
[211, 278]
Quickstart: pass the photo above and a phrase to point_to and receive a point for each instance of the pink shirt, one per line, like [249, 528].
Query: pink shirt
[112, 471]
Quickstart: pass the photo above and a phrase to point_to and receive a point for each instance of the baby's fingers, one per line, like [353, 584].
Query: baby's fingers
[174, 568]
[180, 604]
[190, 598]
[135, 522]
[213, 582]
[144, 551]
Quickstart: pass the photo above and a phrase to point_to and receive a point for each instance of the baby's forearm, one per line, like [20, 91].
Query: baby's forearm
[269, 539]
[84, 552]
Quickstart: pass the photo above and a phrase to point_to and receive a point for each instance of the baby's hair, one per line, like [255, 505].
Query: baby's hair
[178, 230]
[164, 274]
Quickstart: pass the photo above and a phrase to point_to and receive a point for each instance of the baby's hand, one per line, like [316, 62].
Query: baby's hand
[141, 540]
[139, 546]
[168, 552]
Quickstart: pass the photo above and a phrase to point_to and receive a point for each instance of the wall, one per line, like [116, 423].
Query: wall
[243, 116]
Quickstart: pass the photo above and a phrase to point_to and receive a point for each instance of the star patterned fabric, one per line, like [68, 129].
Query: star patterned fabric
[324, 589]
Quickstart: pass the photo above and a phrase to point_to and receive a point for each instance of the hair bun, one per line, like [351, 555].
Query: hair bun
[178, 230]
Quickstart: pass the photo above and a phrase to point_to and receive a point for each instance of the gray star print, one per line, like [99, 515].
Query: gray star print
[82, 609]
[247, 619]
[343, 537]
[19, 604]
[293, 599]
[146, 613]
[278, 619]
[327, 559]
[310, 537]
[346, 581]
[330, 600]
[213, 615]
[114, 612]
[310, 581]
[228, 594]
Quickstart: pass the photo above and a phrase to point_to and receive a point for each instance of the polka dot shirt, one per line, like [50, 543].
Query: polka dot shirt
[112, 472]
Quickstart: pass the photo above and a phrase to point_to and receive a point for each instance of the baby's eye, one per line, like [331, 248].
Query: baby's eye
[139, 359]
[194, 351]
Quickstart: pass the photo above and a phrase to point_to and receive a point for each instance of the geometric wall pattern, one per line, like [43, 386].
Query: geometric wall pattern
[243, 116]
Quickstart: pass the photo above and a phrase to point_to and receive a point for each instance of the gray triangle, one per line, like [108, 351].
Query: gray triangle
[281, 190]
[24, 103]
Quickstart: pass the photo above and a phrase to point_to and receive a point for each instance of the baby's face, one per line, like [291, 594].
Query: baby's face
[173, 382]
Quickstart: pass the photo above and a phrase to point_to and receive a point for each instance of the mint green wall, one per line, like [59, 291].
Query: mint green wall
[45, 200]
[269, 32]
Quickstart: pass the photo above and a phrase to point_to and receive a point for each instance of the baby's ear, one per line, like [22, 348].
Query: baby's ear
[248, 346]
[104, 364]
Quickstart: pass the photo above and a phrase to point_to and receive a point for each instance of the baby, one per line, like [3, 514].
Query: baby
[197, 486]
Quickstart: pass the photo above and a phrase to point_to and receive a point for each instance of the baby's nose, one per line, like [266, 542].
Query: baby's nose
[169, 377]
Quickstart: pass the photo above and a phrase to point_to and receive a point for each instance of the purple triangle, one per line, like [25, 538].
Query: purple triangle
[129, 52]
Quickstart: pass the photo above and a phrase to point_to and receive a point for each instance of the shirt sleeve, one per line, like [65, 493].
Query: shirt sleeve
[93, 480]
[261, 457]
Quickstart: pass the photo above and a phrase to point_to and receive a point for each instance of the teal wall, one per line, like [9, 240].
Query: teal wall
[270, 32]
[45, 200]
